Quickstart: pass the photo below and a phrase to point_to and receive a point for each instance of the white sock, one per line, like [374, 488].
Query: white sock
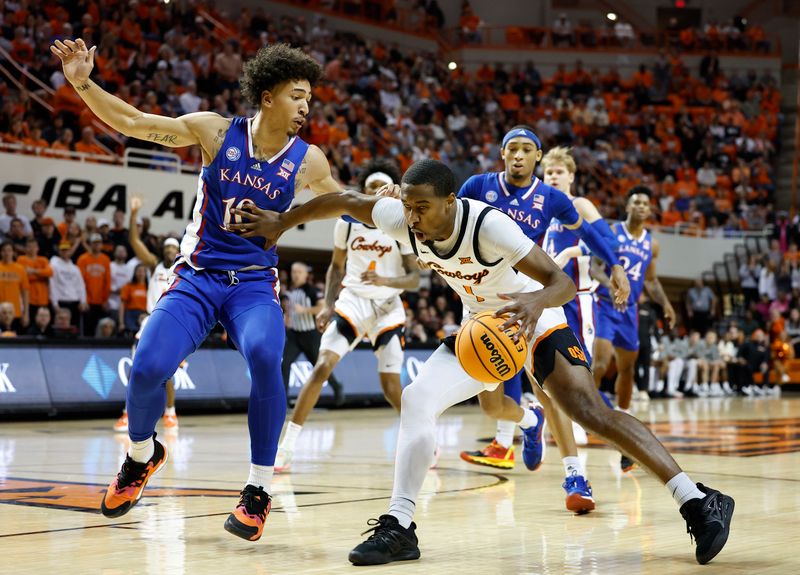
[170, 411]
[290, 435]
[628, 411]
[529, 419]
[505, 432]
[403, 509]
[261, 476]
[142, 451]
[572, 466]
[683, 489]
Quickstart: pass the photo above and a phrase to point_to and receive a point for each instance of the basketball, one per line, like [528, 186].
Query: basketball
[486, 353]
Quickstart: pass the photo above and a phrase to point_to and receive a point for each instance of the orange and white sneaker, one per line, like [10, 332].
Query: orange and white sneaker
[493, 455]
[170, 423]
[121, 425]
[247, 520]
[127, 487]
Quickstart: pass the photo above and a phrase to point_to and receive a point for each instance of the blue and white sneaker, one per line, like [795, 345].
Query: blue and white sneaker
[533, 442]
[579, 494]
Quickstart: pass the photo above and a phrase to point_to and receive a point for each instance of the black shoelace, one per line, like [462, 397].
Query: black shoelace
[382, 532]
[132, 473]
[254, 501]
[698, 521]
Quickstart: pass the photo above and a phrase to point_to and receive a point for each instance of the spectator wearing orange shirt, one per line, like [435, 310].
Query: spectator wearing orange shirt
[96, 271]
[39, 273]
[13, 283]
[133, 301]
[34, 141]
[88, 145]
[63, 145]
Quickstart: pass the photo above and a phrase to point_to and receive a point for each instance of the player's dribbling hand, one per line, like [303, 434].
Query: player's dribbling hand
[620, 287]
[257, 222]
[76, 60]
[525, 309]
[324, 318]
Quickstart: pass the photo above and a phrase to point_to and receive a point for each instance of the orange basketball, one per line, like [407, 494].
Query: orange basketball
[486, 353]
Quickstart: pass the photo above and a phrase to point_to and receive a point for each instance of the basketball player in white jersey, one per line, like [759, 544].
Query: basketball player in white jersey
[371, 270]
[159, 281]
[478, 251]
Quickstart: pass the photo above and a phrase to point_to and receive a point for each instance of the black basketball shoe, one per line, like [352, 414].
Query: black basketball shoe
[708, 520]
[389, 542]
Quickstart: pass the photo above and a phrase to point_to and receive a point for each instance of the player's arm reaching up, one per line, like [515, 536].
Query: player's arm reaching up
[204, 128]
[654, 288]
[145, 256]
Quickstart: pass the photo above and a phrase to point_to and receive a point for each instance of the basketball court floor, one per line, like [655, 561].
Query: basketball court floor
[471, 519]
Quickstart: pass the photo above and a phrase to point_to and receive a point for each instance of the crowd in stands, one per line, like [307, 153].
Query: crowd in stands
[66, 279]
[705, 141]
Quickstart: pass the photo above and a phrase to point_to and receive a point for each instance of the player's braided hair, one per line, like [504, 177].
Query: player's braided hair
[433, 173]
[272, 66]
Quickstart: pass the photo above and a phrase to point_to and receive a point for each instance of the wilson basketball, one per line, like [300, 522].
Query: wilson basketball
[486, 353]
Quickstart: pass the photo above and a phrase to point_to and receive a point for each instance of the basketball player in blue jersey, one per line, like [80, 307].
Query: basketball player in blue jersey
[532, 204]
[454, 236]
[219, 275]
[618, 326]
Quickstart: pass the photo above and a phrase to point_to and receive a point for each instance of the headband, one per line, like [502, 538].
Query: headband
[382, 176]
[522, 133]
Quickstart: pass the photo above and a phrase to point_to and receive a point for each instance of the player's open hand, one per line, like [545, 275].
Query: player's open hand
[525, 309]
[76, 60]
[253, 221]
[620, 287]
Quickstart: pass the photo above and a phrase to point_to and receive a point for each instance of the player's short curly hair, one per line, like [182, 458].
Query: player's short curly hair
[384, 165]
[272, 66]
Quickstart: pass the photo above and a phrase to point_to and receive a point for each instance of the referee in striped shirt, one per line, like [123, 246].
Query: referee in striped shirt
[303, 302]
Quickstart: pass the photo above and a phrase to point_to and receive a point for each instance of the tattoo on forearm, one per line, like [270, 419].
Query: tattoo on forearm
[163, 138]
[83, 87]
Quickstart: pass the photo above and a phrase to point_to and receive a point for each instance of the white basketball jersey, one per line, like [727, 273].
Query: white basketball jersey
[369, 249]
[476, 280]
[158, 285]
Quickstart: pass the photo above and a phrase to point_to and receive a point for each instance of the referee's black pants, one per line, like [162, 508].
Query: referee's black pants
[306, 342]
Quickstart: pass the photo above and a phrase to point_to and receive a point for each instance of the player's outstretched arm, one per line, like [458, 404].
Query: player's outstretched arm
[204, 128]
[270, 225]
[654, 288]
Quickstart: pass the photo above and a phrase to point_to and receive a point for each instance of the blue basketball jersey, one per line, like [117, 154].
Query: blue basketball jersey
[232, 180]
[531, 207]
[556, 240]
[634, 255]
